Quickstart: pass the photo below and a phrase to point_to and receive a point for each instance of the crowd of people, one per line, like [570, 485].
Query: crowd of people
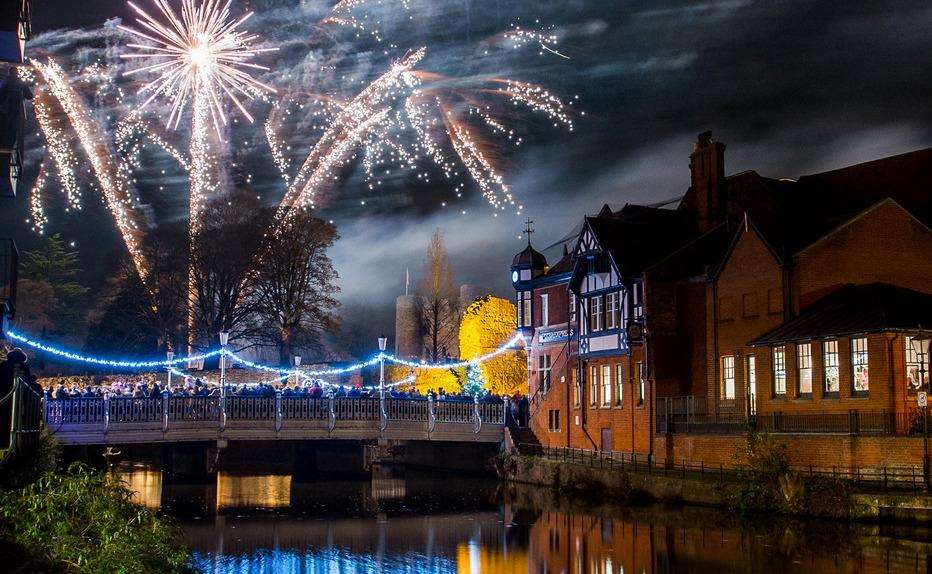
[189, 386]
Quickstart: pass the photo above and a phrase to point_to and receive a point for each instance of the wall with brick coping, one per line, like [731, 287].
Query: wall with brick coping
[819, 451]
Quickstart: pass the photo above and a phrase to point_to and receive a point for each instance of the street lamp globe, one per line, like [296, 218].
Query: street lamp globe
[383, 341]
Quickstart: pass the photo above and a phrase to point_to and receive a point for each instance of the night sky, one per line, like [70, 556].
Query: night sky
[791, 87]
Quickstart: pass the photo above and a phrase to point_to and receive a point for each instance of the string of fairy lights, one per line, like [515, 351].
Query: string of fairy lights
[39, 346]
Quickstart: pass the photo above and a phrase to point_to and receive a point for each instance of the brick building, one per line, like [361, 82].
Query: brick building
[792, 303]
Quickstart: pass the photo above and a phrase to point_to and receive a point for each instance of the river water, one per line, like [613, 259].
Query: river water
[401, 521]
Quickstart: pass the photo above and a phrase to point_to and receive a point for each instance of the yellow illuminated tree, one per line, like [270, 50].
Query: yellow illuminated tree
[487, 324]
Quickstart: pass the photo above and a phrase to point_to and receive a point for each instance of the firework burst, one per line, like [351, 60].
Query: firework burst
[199, 54]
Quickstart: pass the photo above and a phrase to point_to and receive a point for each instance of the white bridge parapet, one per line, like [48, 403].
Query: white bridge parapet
[125, 420]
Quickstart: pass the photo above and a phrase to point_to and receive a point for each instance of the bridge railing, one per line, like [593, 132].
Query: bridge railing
[128, 409]
[170, 410]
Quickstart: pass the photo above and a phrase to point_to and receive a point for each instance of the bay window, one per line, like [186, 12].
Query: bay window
[611, 310]
[595, 313]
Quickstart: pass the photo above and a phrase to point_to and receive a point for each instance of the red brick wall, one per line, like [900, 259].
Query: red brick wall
[745, 301]
[885, 245]
[819, 451]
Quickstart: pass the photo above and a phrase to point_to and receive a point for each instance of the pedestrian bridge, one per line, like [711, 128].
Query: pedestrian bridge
[170, 419]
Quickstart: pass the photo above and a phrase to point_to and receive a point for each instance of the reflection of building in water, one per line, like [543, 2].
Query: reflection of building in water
[145, 484]
[253, 491]
[588, 544]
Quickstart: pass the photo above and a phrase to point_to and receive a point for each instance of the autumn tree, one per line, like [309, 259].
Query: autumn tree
[293, 287]
[487, 324]
[437, 302]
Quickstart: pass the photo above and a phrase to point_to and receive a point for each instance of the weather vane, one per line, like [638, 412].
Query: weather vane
[528, 228]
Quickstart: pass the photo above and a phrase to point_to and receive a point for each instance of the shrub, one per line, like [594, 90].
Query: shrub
[84, 521]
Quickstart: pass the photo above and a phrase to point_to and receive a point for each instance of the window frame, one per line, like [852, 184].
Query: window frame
[596, 310]
[642, 383]
[606, 385]
[860, 359]
[729, 375]
[611, 310]
[619, 384]
[544, 372]
[525, 309]
[594, 385]
[804, 367]
[779, 370]
[544, 309]
[830, 365]
[913, 360]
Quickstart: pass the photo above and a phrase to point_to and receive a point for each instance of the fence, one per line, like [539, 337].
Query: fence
[884, 478]
[700, 415]
[25, 407]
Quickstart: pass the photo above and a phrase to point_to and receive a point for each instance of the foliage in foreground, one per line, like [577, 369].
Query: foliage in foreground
[84, 521]
[768, 485]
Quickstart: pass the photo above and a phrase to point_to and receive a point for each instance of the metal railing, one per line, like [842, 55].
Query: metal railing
[212, 410]
[700, 415]
[882, 478]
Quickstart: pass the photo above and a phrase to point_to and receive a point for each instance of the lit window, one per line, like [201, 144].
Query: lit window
[595, 313]
[728, 377]
[583, 322]
[524, 308]
[830, 367]
[544, 310]
[606, 385]
[572, 308]
[804, 368]
[638, 300]
[859, 376]
[915, 360]
[751, 371]
[543, 372]
[611, 310]
[619, 383]
[594, 385]
[642, 383]
[554, 420]
[779, 371]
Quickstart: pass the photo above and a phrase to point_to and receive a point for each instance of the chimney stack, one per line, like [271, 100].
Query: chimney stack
[707, 166]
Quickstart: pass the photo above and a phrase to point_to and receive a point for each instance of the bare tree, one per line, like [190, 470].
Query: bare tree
[223, 253]
[437, 301]
[293, 287]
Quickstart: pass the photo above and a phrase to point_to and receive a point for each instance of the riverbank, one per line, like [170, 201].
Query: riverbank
[79, 520]
[747, 491]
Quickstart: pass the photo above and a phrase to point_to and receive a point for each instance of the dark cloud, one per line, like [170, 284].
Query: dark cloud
[792, 87]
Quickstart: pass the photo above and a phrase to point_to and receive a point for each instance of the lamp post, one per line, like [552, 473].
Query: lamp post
[383, 341]
[170, 355]
[920, 344]
[297, 366]
[224, 339]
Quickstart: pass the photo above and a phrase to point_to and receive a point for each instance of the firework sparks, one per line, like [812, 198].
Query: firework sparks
[56, 142]
[37, 216]
[112, 174]
[200, 54]
[545, 39]
[344, 130]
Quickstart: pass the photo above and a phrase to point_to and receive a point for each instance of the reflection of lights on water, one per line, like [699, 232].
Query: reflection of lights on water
[471, 558]
[145, 484]
[253, 491]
